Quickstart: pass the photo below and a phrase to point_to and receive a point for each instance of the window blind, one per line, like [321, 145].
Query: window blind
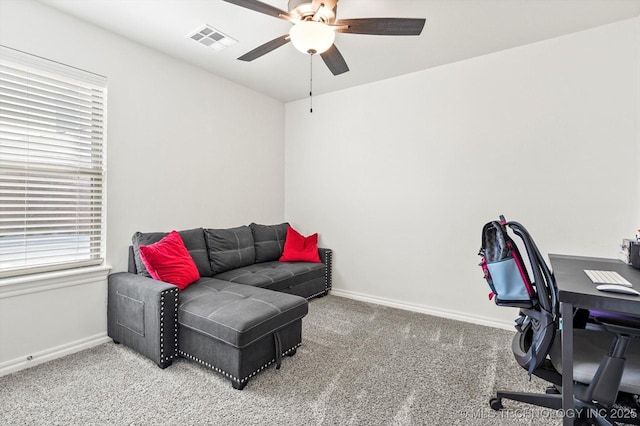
[52, 165]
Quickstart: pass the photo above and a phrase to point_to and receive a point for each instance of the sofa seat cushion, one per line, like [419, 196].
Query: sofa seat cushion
[237, 314]
[274, 275]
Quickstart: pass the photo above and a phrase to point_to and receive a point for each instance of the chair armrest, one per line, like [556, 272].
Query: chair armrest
[326, 256]
[142, 313]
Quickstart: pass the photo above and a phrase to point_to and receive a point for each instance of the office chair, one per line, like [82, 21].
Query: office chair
[606, 351]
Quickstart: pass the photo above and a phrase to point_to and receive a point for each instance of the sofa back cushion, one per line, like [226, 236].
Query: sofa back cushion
[269, 241]
[193, 240]
[230, 248]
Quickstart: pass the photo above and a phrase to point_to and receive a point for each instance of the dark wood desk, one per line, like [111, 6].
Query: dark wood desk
[576, 290]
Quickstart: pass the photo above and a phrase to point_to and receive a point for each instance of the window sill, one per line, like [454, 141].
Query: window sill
[24, 284]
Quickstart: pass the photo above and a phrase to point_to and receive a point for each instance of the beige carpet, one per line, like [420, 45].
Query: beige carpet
[359, 364]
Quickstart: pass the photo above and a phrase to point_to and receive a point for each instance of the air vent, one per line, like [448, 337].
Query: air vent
[210, 37]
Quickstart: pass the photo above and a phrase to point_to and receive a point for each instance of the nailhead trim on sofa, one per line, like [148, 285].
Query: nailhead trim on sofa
[163, 356]
[224, 373]
[327, 275]
[317, 294]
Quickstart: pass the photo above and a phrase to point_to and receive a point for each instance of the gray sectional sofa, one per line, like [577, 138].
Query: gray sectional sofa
[243, 314]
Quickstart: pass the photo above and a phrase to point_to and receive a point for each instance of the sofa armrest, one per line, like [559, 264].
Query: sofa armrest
[326, 256]
[142, 313]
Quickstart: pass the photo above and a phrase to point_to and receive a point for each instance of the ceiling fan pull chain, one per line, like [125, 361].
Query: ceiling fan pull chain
[311, 83]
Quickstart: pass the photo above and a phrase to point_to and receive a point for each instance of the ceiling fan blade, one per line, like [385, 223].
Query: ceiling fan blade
[381, 26]
[334, 60]
[261, 7]
[265, 48]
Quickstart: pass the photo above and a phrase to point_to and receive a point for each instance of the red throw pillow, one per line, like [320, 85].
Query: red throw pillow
[298, 248]
[168, 260]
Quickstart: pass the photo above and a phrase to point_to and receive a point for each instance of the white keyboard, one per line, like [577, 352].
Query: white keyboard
[606, 277]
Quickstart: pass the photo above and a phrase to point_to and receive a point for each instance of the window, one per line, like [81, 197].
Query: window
[52, 165]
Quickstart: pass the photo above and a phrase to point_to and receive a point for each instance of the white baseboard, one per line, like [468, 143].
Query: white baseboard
[18, 364]
[430, 310]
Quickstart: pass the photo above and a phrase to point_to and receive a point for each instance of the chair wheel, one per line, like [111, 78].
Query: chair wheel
[496, 404]
[551, 390]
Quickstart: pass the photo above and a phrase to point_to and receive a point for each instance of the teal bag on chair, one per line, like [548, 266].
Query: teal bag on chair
[503, 267]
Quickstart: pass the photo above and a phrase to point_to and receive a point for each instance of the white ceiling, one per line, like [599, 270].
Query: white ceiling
[455, 30]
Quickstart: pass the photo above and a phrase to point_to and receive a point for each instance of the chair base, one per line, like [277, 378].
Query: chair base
[589, 415]
[553, 401]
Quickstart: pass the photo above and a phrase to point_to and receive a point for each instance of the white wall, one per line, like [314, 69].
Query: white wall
[185, 149]
[399, 176]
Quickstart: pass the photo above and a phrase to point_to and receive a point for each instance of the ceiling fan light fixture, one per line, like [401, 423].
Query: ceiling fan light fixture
[312, 37]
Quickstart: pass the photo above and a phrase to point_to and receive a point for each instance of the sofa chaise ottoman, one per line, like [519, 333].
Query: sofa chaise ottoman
[243, 314]
[238, 330]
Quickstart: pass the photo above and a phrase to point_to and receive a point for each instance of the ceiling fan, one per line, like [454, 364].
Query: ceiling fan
[315, 26]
